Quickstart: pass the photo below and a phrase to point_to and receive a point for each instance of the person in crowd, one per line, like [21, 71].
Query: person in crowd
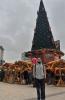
[30, 77]
[39, 75]
[2, 74]
[50, 77]
[26, 76]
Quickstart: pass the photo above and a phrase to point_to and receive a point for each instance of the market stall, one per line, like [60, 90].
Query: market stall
[47, 55]
[58, 69]
[14, 72]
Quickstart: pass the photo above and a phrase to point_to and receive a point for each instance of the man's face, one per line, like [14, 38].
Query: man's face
[39, 61]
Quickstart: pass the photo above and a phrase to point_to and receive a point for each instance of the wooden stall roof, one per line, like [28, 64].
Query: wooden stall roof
[60, 60]
[44, 49]
[19, 66]
[57, 63]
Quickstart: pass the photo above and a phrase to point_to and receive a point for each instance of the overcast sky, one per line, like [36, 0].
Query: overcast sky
[18, 20]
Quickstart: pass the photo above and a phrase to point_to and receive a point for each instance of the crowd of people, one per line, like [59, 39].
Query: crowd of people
[36, 74]
[2, 74]
[27, 77]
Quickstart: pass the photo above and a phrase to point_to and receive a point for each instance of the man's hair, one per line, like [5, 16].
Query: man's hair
[39, 59]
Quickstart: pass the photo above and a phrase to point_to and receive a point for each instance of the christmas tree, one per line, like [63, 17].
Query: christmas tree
[43, 37]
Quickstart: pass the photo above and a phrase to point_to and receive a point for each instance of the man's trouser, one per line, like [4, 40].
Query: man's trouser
[40, 86]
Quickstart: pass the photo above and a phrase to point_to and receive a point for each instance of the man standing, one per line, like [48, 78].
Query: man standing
[38, 73]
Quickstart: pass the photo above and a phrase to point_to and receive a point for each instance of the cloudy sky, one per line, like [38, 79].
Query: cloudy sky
[18, 20]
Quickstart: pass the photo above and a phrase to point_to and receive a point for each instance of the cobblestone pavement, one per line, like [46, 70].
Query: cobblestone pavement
[23, 92]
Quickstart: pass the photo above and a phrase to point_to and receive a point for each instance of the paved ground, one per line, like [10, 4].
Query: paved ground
[22, 92]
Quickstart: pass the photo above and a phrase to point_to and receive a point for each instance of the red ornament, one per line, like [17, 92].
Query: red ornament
[43, 51]
[34, 60]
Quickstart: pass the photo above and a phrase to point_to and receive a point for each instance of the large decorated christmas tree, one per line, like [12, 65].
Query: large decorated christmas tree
[43, 37]
[43, 44]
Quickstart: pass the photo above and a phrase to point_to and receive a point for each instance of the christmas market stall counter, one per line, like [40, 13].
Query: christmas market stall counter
[58, 69]
[9, 69]
[13, 72]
